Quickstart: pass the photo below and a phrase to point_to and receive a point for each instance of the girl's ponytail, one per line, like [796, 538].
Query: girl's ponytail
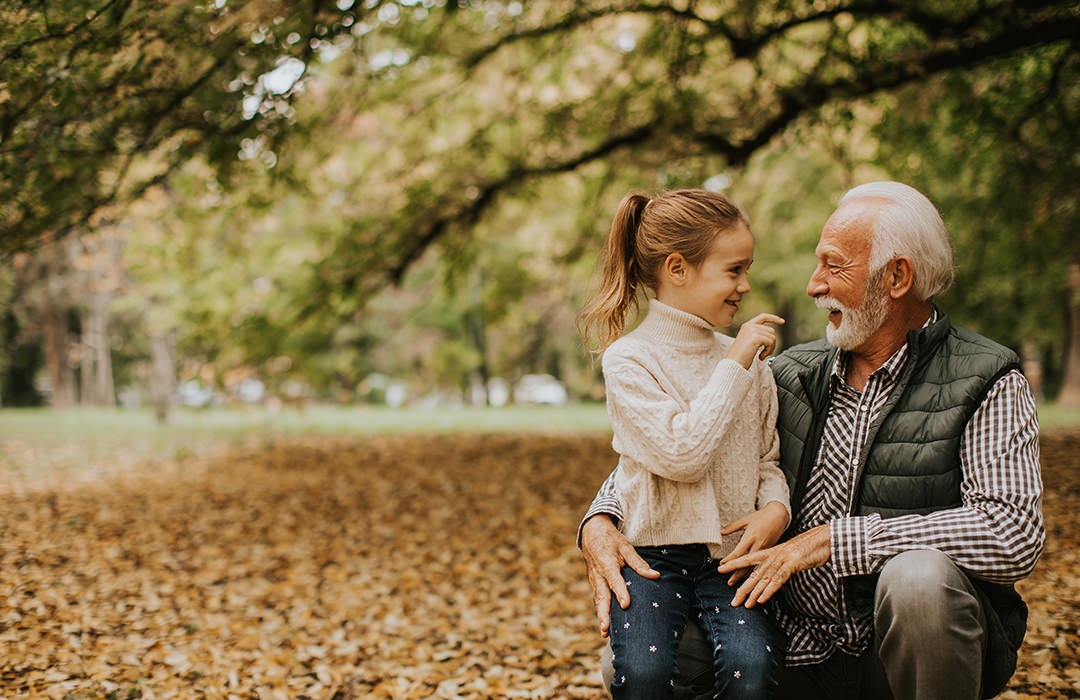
[601, 321]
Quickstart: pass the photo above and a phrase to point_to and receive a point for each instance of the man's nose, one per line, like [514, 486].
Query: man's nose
[816, 286]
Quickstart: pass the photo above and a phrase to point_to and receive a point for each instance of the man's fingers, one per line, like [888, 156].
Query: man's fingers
[738, 576]
[764, 590]
[635, 562]
[747, 561]
[602, 601]
[746, 593]
[603, 587]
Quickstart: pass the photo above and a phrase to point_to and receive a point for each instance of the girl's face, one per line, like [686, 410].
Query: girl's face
[714, 288]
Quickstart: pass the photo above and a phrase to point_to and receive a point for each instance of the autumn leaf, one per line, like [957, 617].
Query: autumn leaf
[401, 567]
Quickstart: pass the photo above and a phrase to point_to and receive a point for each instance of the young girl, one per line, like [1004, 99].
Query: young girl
[694, 420]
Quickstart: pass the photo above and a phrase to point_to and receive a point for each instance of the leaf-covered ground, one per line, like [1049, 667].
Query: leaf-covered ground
[385, 567]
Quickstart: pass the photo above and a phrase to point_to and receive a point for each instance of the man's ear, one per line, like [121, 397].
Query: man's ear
[899, 276]
[675, 269]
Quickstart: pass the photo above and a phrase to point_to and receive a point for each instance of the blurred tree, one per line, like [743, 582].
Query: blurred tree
[997, 149]
[465, 108]
[44, 311]
[65, 294]
[527, 120]
[497, 135]
[100, 99]
[103, 98]
[213, 273]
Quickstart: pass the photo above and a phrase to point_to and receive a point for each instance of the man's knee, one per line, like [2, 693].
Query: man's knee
[923, 583]
[930, 627]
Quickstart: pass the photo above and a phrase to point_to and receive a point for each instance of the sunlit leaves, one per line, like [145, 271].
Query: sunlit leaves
[407, 567]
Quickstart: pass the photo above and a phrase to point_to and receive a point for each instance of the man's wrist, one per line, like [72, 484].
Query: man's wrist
[595, 521]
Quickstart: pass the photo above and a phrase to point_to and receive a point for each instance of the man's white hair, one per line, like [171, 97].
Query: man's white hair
[908, 224]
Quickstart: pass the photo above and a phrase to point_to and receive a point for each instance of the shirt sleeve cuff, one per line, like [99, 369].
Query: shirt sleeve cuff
[848, 541]
[605, 504]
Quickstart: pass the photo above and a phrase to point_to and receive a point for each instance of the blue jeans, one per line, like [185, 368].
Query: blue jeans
[645, 636]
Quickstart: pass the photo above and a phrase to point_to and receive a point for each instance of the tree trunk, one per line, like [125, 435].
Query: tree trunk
[97, 376]
[1033, 367]
[162, 376]
[61, 377]
[86, 365]
[1070, 386]
[106, 389]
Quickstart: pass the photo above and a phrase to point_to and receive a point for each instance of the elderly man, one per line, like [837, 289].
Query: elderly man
[911, 449]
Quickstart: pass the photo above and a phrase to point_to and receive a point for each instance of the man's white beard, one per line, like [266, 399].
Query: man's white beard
[856, 325]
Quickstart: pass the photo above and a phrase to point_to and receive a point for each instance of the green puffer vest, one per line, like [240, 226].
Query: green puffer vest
[948, 374]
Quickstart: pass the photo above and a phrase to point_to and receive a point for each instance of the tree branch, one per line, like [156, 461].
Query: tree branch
[572, 20]
[794, 102]
[471, 211]
[814, 93]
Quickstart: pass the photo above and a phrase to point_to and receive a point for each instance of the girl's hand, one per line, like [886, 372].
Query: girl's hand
[754, 338]
[761, 530]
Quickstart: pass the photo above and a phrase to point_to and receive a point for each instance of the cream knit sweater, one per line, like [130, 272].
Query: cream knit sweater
[695, 433]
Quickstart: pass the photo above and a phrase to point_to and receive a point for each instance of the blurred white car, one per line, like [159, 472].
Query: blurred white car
[540, 389]
[194, 395]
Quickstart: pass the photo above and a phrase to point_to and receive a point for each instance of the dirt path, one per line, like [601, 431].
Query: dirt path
[393, 567]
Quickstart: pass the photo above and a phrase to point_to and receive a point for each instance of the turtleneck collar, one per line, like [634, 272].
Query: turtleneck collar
[672, 326]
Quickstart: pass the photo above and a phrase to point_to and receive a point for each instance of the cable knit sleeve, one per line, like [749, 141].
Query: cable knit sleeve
[662, 434]
[772, 484]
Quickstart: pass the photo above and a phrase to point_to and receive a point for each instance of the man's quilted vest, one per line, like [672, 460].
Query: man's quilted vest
[946, 377]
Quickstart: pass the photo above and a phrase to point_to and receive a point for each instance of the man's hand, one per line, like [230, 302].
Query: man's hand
[606, 552]
[774, 566]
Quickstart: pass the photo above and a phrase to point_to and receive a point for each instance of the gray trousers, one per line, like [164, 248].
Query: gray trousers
[929, 643]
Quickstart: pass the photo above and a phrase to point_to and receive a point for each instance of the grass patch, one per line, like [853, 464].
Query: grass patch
[1052, 417]
[48, 425]
[36, 440]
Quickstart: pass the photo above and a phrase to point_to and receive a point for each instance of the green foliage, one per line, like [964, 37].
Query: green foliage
[428, 198]
[997, 148]
[101, 99]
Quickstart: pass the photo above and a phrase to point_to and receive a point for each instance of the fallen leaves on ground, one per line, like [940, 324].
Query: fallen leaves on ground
[386, 567]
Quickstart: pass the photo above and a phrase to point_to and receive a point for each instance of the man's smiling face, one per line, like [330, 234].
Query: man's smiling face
[843, 283]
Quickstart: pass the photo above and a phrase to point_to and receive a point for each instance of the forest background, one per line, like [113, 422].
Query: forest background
[332, 198]
[336, 204]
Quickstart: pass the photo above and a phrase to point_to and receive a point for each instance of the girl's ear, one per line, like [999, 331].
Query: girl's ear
[675, 269]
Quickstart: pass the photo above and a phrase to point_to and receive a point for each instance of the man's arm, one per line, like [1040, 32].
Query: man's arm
[997, 533]
[607, 551]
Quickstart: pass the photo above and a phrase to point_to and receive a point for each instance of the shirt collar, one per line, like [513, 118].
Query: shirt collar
[891, 367]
